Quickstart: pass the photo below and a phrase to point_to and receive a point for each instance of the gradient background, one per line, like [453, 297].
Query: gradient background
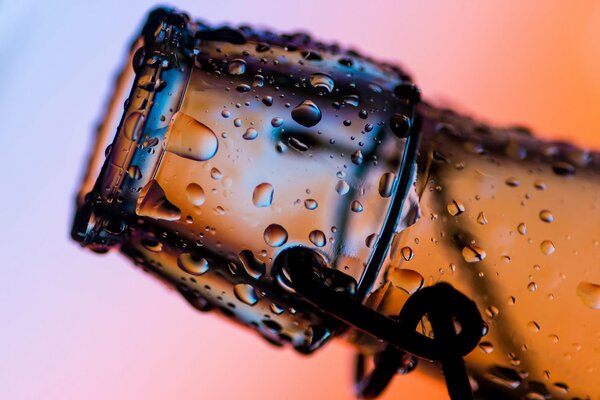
[74, 325]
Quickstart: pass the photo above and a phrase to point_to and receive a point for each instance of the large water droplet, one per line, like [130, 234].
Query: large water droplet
[237, 67]
[134, 172]
[342, 187]
[547, 247]
[482, 219]
[216, 174]
[357, 157]
[277, 122]
[245, 293]
[513, 182]
[310, 204]
[317, 238]
[275, 235]
[563, 168]
[133, 125]
[322, 81]
[263, 195]
[407, 253]
[546, 216]
[455, 208]
[192, 264]
[532, 286]
[356, 206]
[533, 326]
[406, 279]
[250, 134]
[152, 245]
[486, 347]
[253, 266]
[191, 139]
[589, 294]
[473, 254]
[386, 184]
[307, 114]
[153, 203]
[195, 194]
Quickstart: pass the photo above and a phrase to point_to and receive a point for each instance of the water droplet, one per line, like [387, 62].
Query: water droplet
[153, 203]
[237, 67]
[277, 122]
[406, 279]
[356, 206]
[263, 195]
[310, 204]
[481, 219]
[342, 187]
[486, 347]
[307, 114]
[513, 182]
[275, 235]
[546, 216]
[506, 377]
[492, 311]
[553, 338]
[386, 184]
[195, 194]
[400, 125]
[253, 266]
[267, 101]
[191, 139]
[133, 125]
[522, 228]
[563, 387]
[539, 184]
[245, 293]
[532, 286]
[134, 172]
[225, 113]
[407, 253]
[473, 254]
[237, 122]
[276, 309]
[152, 245]
[322, 81]
[589, 294]
[357, 157]
[250, 134]
[258, 81]
[547, 247]
[216, 174]
[533, 326]
[243, 88]
[192, 264]
[370, 240]
[219, 210]
[317, 238]
[563, 169]
[455, 208]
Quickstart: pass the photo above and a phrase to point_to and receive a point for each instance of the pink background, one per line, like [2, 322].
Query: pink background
[74, 325]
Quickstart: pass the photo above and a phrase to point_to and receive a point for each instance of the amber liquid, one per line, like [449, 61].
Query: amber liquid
[514, 223]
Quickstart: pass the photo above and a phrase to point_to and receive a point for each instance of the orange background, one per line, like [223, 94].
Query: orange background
[75, 325]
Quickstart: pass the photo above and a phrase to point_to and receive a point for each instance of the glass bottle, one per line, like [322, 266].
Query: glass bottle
[237, 145]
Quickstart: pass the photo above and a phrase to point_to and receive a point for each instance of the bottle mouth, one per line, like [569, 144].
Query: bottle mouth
[238, 145]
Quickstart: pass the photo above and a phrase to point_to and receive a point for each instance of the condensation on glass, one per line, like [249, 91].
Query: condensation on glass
[236, 144]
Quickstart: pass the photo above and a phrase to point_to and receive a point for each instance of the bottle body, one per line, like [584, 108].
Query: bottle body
[514, 223]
